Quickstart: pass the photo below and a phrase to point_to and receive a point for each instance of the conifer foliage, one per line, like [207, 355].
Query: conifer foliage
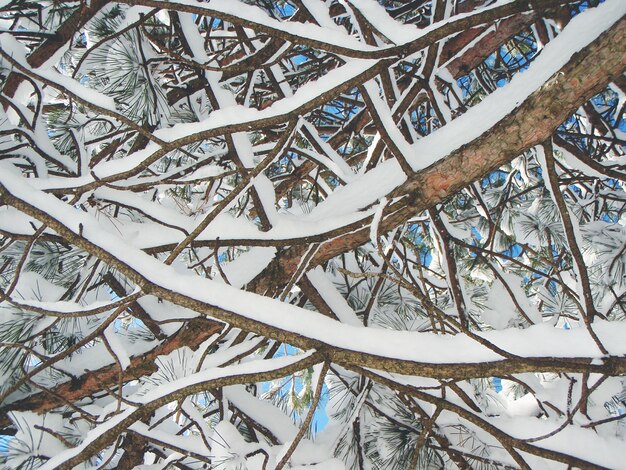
[312, 234]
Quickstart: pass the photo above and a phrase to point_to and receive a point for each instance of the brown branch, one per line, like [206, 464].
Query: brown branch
[587, 72]
[194, 333]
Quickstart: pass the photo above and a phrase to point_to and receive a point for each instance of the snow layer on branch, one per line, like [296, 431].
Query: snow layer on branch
[333, 297]
[120, 235]
[307, 93]
[337, 163]
[262, 412]
[321, 14]
[247, 265]
[377, 15]
[15, 49]
[117, 347]
[380, 181]
[536, 341]
[251, 367]
[580, 32]
[92, 435]
[188, 442]
[168, 392]
[365, 190]
[225, 226]
[255, 15]
[573, 440]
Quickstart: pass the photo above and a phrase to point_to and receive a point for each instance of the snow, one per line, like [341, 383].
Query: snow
[384, 114]
[320, 14]
[27, 423]
[229, 447]
[128, 163]
[338, 165]
[503, 309]
[221, 356]
[331, 464]
[573, 440]
[252, 118]
[576, 286]
[247, 265]
[357, 194]
[91, 436]
[536, 341]
[333, 297]
[264, 412]
[189, 442]
[524, 406]
[376, 220]
[577, 164]
[63, 307]
[154, 211]
[163, 394]
[131, 240]
[286, 227]
[327, 162]
[377, 16]
[15, 49]
[581, 31]
[208, 375]
[255, 16]
[32, 285]
[116, 346]
[365, 190]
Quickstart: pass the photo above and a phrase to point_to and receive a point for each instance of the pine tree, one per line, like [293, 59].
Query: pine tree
[266, 234]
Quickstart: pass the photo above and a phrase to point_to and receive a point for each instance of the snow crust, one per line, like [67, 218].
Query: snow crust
[536, 341]
[580, 32]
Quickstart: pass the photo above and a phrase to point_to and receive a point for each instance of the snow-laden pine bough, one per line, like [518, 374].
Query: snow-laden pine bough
[304, 234]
